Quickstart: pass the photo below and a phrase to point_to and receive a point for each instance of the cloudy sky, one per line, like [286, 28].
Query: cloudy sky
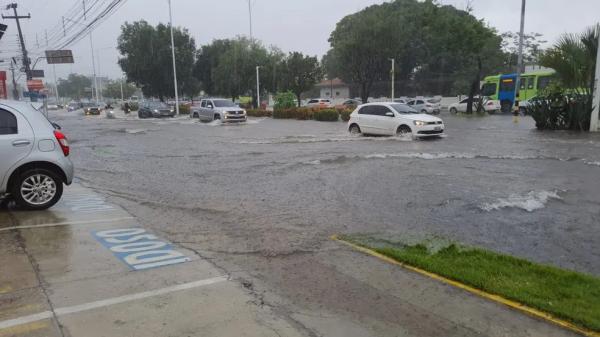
[302, 25]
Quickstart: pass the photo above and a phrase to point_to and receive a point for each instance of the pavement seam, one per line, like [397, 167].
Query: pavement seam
[492, 297]
[42, 283]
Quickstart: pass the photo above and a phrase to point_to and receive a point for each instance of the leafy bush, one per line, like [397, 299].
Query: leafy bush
[285, 100]
[327, 115]
[561, 111]
[294, 113]
[345, 114]
[184, 109]
[258, 113]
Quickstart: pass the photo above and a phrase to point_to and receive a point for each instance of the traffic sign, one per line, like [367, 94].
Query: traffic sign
[59, 56]
[37, 73]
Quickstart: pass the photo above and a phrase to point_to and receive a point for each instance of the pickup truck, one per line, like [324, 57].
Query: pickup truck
[212, 109]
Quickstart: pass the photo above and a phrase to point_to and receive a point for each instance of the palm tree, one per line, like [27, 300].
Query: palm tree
[574, 59]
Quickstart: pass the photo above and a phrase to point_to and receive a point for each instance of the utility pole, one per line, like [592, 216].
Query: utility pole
[26, 60]
[594, 121]
[14, 79]
[250, 15]
[258, 86]
[520, 59]
[95, 91]
[174, 65]
[64, 28]
[393, 78]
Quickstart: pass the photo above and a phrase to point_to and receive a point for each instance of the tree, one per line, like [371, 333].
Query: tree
[75, 86]
[437, 48]
[146, 58]
[228, 67]
[532, 48]
[574, 59]
[300, 73]
[113, 89]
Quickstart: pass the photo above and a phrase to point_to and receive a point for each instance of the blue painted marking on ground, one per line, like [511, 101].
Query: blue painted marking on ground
[139, 249]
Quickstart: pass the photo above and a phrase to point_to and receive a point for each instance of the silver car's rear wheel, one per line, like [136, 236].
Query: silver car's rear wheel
[355, 130]
[37, 189]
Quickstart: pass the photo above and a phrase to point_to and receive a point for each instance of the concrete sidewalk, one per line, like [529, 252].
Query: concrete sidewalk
[61, 277]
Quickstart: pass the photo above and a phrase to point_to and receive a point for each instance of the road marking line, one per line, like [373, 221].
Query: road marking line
[108, 302]
[66, 223]
[496, 298]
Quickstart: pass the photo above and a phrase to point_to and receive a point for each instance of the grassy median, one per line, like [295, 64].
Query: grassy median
[565, 294]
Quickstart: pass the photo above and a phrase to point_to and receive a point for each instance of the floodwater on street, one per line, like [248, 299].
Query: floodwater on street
[274, 187]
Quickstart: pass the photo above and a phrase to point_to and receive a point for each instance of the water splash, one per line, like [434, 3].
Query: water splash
[529, 202]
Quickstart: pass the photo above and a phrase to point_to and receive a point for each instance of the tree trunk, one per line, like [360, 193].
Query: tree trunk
[299, 100]
[474, 87]
[364, 92]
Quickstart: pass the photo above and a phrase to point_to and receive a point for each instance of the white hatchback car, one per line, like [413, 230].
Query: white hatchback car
[393, 119]
[489, 105]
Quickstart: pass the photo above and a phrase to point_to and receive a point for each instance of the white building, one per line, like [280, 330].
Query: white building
[334, 89]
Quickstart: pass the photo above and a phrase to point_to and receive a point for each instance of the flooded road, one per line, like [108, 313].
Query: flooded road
[260, 200]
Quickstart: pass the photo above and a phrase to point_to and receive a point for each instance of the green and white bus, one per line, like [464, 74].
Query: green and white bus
[503, 87]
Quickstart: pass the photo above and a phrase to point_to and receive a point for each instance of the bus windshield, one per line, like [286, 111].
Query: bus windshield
[489, 89]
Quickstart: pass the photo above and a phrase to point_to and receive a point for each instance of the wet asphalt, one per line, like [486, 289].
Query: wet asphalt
[261, 200]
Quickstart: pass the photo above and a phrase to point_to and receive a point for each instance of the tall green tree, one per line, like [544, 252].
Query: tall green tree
[437, 48]
[300, 73]
[146, 59]
[228, 67]
[75, 86]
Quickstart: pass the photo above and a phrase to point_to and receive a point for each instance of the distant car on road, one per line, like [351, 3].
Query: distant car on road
[489, 105]
[150, 109]
[92, 108]
[73, 106]
[349, 104]
[393, 119]
[322, 103]
[425, 106]
[35, 162]
[213, 109]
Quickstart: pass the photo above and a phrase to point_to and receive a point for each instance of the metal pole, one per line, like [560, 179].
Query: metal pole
[174, 65]
[95, 91]
[393, 78]
[14, 80]
[520, 59]
[594, 121]
[122, 98]
[250, 15]
[258, 86]
[55, 84]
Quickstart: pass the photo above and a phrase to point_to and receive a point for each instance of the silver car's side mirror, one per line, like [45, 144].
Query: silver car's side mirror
[389, 114]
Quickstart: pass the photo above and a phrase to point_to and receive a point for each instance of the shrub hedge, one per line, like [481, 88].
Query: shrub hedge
[184, 109]
[327, 115]
[561, 111]
[258, 113]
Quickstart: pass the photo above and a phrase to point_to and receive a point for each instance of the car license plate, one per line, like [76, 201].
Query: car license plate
[437, 128]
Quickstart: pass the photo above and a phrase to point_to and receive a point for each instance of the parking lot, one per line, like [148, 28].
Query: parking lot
[243, 215]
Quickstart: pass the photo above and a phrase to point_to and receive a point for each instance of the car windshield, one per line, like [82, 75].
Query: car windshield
[403, 109]
[224, 103]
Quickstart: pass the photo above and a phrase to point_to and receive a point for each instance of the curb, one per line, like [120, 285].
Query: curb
[495, 298]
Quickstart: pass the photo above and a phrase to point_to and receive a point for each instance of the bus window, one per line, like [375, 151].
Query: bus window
[543, 82]
[523, 83]
[507, 85]
[530, 84]
[489, 89]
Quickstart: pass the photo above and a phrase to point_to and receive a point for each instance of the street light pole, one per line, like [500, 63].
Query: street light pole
[174, 65]
[393, 78]
[520, 59]
[250, 15]
[95, 91]
[594, 121]
[258, 86]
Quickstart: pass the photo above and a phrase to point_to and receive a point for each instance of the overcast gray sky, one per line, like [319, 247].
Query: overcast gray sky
[302, 25]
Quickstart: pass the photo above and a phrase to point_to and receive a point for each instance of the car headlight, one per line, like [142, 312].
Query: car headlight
[420, 123]
[155, 110]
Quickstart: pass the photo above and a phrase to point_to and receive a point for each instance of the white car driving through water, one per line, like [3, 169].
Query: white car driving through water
[393, 119]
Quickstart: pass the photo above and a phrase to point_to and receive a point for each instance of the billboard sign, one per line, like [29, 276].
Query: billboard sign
[59, 56]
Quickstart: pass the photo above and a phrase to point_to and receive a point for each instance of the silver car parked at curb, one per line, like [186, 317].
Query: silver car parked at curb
[34, 154]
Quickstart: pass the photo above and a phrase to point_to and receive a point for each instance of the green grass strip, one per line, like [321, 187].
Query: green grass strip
[565, 294]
